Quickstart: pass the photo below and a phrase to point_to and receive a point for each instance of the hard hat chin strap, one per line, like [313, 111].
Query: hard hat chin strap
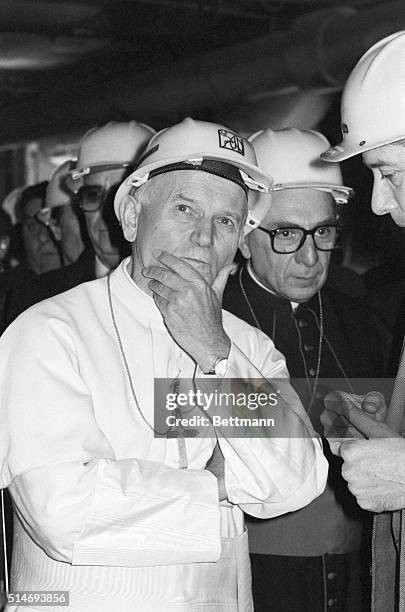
[252, 184]
[251, 222]
[211, 166]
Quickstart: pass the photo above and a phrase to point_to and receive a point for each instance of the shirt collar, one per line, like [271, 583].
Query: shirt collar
[253, 275]
[100, 268]
[131, 295]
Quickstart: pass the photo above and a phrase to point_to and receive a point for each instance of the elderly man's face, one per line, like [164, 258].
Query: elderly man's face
[388, 166]
[294, 276]
[102, 226]
[193, 215]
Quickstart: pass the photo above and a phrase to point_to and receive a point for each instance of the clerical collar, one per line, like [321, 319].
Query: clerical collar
[126, 267]
[128, 295]
[253, 275]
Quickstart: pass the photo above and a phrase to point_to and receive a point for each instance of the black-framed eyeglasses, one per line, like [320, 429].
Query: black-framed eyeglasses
[286, 240]
[91, 198]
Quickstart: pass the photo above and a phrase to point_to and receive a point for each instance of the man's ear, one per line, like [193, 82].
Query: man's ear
[244, 245]
[130, 209]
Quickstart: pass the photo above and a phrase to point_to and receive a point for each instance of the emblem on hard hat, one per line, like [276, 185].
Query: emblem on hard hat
[230, 140]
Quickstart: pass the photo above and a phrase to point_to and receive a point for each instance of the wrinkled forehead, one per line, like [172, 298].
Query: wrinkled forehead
[198, 186]
[390, 155]
[301, 206]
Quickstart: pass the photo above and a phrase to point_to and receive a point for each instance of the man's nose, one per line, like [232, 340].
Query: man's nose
[382, 199]
[308, 253]
[203, 233]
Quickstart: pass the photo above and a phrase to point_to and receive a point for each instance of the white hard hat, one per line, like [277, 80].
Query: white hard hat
[373, 100]
[200, 145]
[56, 192]
[292, 156]
[115, 145]
[10, 203]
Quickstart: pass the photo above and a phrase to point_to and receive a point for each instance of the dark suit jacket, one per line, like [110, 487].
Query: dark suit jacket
[356, 343]
[31, 290]
[354, 346]
[389, 300]
[10, 281]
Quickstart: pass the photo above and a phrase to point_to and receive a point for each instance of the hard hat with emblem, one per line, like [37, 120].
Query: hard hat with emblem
[115, 145]
[373, 107]
[292, 156]
[200, 145]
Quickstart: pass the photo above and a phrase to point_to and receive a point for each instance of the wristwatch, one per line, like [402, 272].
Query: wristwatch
[220, 367]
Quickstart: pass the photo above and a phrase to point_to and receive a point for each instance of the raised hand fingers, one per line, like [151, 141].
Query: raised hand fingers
[161, 290]
[222, 278]
[182, 268]
[164, 276]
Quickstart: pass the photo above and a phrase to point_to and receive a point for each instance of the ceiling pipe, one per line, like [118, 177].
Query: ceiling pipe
[317, 52]
[243, 8]
[27, 16]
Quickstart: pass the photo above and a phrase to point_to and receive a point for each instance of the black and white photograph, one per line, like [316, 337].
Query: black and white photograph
[202, 306]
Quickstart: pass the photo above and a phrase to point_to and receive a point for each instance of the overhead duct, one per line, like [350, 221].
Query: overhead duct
[37, 52]
[317, 52]
[28, 16]
[301, 109]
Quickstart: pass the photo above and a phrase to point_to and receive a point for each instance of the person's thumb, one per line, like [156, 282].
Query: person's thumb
[221, 279]
[374, 404]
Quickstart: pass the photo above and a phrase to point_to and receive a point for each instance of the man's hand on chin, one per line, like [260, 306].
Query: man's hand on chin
[375, 472]
[190, 307]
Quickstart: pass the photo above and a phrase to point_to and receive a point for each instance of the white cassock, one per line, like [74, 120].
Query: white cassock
[102, 509]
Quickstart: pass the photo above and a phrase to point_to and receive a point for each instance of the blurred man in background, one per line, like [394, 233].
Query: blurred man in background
[41, 253]
[60, 214]
[106, 156]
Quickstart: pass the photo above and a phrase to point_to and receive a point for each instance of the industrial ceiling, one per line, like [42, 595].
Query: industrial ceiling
[65, 65]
